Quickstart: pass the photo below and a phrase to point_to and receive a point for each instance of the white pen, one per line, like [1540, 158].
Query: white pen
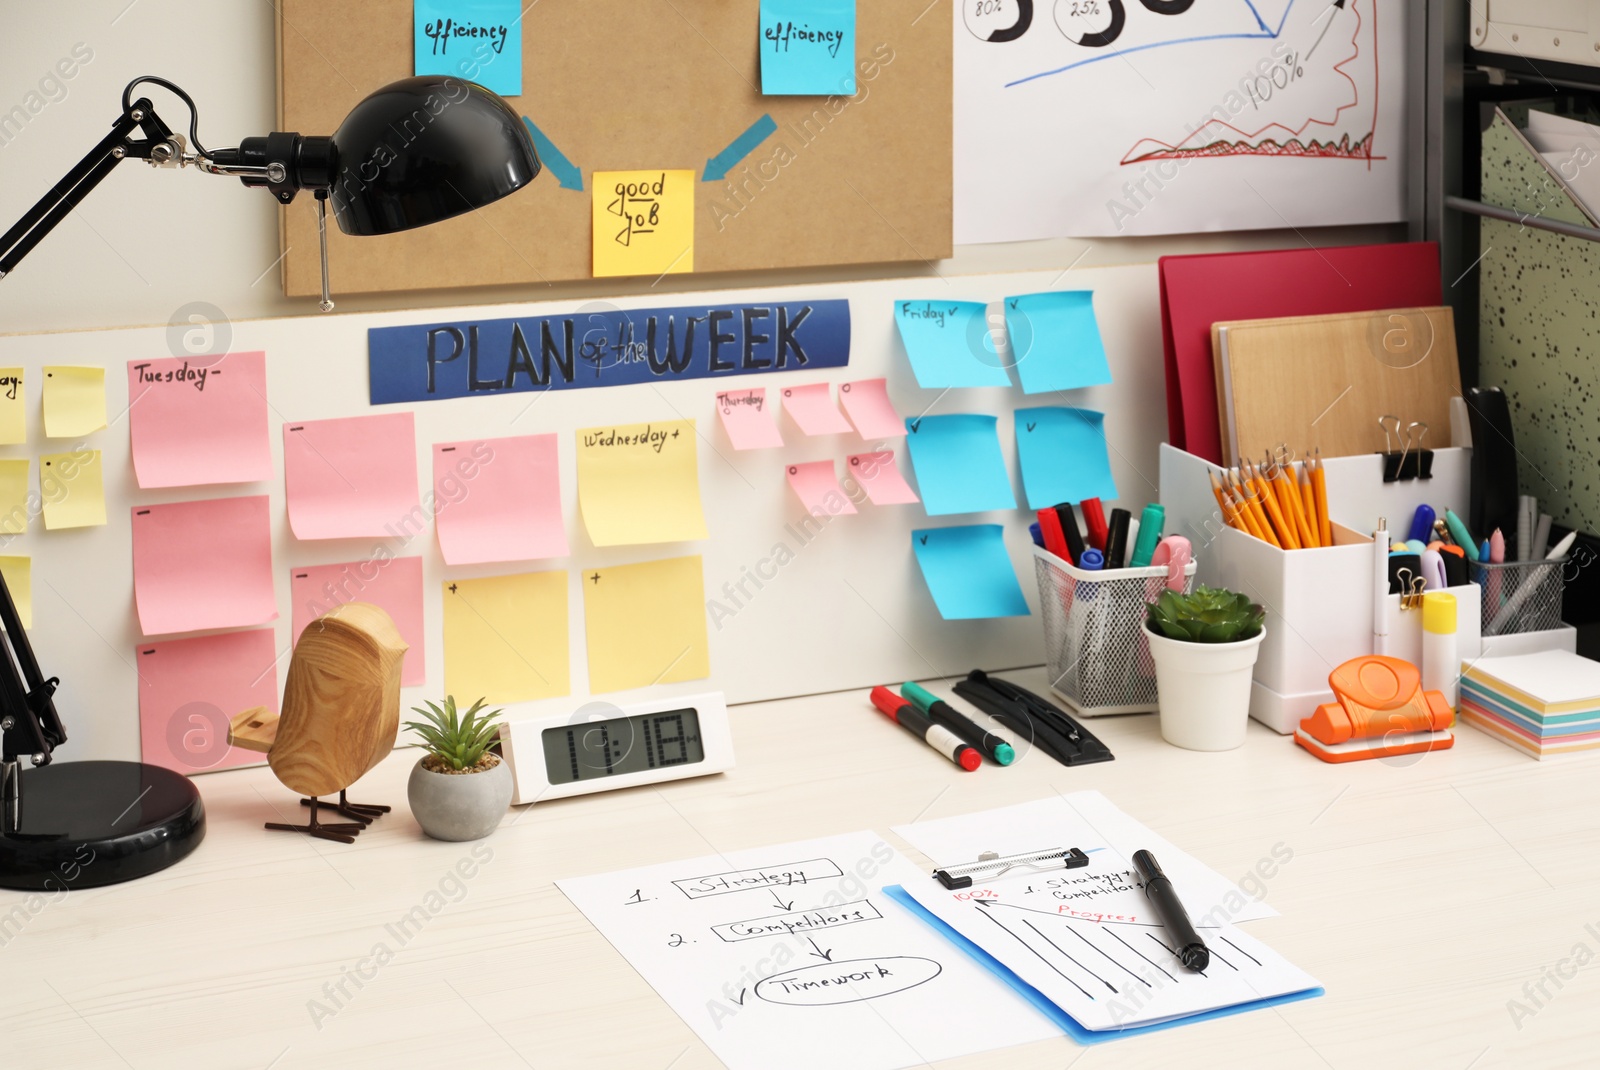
[1380, 587]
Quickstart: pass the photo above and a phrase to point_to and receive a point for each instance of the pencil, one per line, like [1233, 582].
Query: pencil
[1247, 520]
[1216, 490]
[1254, 510]
[1319, 485]
[1308, 501]
[1284, 480]
[1269, 498]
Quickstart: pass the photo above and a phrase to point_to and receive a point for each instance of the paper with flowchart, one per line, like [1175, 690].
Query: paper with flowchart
[791, 957]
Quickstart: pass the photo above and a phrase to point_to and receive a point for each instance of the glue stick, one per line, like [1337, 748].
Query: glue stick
[1441, 665]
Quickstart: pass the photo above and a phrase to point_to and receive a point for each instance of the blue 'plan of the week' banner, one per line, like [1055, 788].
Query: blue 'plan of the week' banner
[431, 361]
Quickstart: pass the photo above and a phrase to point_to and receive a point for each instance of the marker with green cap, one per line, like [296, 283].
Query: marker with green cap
[991, 745]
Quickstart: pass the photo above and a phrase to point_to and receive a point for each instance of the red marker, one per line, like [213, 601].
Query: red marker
[1095, 517]
[1055, 539]
[913, 720]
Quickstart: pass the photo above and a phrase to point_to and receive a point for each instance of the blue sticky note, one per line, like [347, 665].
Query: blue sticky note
[958, 464]
[808, 47]
[969, 572]
[474, 40]
[1055, 341]
[949, 344]
[1062, 453]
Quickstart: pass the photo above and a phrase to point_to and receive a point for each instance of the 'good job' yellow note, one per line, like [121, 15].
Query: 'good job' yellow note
[643, 222]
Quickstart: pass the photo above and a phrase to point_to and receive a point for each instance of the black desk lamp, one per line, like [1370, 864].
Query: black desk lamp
[413, 153]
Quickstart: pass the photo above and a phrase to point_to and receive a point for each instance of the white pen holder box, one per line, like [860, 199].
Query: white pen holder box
[1318, 602]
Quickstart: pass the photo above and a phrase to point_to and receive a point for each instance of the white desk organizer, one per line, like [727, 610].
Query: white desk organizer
[1318, 602]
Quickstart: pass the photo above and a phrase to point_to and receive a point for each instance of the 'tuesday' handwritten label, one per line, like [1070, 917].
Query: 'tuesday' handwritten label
[799, 921]
[743, 880]
[193, 376]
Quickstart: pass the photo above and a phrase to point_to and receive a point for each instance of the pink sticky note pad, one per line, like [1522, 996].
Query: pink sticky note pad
[870, 409]
[189, 689]
[197, 420]
[881, 477]
[818, 490]
[747, 419]
[813, 410]
[392, 584]
[206, 564]
[350, 477]
[499, 499]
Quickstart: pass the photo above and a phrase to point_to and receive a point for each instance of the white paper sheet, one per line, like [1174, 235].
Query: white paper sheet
[1227, 115]
[1087, 938]
[791, 957]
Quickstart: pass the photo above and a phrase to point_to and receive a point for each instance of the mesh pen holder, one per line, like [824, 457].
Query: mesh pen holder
[1094, 641]
[1520, 596]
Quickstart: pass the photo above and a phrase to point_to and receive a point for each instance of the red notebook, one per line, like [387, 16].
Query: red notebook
[1197, 291]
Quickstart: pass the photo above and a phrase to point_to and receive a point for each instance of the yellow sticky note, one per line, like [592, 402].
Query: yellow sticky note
[13, 408]
[18, 573]
[505, 638]
[646, 624]
[72, 489]
[640, 483]
[643, 222]
[13, 496]
[74, 401]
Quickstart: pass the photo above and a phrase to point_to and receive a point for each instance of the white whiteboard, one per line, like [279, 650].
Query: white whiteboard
[849, 611]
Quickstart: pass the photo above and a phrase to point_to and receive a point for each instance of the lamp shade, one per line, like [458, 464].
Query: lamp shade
[424, 149]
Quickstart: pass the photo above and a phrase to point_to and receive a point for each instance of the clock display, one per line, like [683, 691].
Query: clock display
[594, 750]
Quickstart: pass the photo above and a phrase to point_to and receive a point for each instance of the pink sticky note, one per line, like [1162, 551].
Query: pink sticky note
[881, 477]
[199, 420]
[205, 564]
[747, 419]
[813, 410]
[870, 409]
[189, 689]
[818, 490]
[393, 584]
[499, 499]
[352, 476]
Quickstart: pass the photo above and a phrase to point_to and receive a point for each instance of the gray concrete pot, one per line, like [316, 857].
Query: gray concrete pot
[459, 806]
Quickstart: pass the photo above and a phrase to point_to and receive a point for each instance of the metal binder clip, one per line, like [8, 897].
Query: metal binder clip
[1392, 461]
[1411, 589]
[1421, 466]
[990, 864]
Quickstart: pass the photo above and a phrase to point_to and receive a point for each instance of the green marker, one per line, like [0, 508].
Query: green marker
[997, 749]
[1149, 535]
[1463, 537]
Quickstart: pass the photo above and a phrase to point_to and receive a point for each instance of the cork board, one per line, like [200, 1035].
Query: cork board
[635, 84]
[1322, 382]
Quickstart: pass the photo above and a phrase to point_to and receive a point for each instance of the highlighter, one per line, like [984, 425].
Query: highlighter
[1150, 522]
[1463, 537]
[1422, 524]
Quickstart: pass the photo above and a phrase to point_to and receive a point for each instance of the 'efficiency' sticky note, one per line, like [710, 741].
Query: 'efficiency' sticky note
[814, 484]
[499, 499]
[646, 624]
[14, 496]
[18, 573]
[643, 222]
[74, 401]
[958, 464]
[812, 409]
[72, 488]
[505, 638]
[808, 47]
[881, 477]
[189, 689]
[868, 405]
[393, 584]
[475, 40]
[351, 476]
[13, 407]
[950, 344]
[1055, 341]
[747, 420]
[204, 564]
[969, 572]
[196, 420]
[1063, 457]
[640, 483]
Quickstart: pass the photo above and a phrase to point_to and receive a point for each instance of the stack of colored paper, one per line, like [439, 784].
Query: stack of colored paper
[1545, 703]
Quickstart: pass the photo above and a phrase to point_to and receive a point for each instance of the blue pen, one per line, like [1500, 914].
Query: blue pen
[1092, 560]
[1483, 551]
[1038, 536]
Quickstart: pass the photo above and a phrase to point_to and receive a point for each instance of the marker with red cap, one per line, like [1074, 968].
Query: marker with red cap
[913, 720]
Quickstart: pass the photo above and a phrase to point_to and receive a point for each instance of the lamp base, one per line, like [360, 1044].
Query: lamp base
[90, 824]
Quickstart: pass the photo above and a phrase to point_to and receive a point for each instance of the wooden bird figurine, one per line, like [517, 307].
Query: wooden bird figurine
[341, 713]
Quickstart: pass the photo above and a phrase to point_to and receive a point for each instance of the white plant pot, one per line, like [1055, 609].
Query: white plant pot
[1204, 690]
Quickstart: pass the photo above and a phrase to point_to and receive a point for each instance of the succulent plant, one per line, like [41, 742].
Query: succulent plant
[456, 741]
[1209, 615]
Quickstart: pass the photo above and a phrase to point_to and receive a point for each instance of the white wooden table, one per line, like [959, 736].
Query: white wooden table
[1426, 895]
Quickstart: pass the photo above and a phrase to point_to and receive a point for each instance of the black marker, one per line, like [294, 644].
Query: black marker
[1117, 539]
[994, 747]
[1190, 949]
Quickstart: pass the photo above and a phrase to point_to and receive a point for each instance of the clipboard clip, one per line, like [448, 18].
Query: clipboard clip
[990, 864]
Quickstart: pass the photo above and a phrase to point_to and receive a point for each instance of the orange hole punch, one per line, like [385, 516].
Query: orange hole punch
[1380, 710]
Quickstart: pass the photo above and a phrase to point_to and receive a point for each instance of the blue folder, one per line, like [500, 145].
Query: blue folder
[1061, 1018]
